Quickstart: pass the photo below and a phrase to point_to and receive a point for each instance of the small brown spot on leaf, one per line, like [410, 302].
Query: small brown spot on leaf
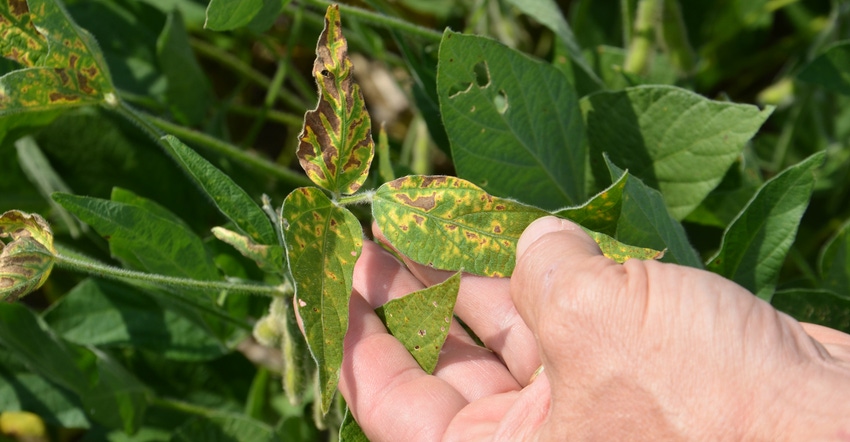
[471, 235]
[416, 347]
[422, 332]
[500, 207]
[418, 219]
[451, 227]
[425, 203]
[428, 180]
[497, 229]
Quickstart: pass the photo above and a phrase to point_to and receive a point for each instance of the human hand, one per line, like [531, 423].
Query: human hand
[643, 350]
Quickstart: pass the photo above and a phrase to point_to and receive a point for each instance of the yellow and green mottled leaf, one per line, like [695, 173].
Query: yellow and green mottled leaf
[336, 146]
[420, 320]
[26, 260]
[601, 212]
[269, 258]
[19, 39]
[323, 241]
[64, 65]
[450, 223]
[620, 252]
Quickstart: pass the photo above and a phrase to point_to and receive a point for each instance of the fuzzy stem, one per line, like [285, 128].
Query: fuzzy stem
[357, 198]
[106, 271]
[383, 20]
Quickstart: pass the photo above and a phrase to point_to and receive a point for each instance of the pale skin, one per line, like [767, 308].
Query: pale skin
[639, 351]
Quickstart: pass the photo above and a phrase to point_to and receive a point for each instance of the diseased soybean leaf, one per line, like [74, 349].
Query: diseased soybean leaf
[110, 394]
[672, 139]
[27, 258]
[227, 15]
[323, 242]
[230, 199]
[420, 320]
[336, 147]
[450, 223]
[72, 71]
[831, 69]
[755, 243]
[821, 307]
[834, 262]
[513, 122]
[645, 222]
[188, 92]
[106, 313]
[620, 252]
[144, 239]
[601, 212]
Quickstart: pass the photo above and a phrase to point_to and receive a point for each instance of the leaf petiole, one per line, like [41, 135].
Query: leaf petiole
[364, 197]
[111, 272]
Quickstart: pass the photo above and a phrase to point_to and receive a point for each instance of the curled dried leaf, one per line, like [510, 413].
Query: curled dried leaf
[25, 260]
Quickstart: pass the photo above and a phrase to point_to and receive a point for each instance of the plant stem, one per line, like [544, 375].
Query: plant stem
[643, 39]
[676, 37]
[383, 20]
[357, 198]
[107, 271]
[184, 407]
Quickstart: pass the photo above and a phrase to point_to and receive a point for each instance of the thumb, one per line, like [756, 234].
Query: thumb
[555, 258]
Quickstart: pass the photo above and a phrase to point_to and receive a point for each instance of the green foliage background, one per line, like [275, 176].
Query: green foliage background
[732, 118]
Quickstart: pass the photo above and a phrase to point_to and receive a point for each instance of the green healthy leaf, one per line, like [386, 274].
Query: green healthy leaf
[230, 199]
[71, 73]
[645, 222]
[146, 239]
[323, 242]
[349, 430]
[450, 223]
[111, 395]
[23, 390]
[834, 262]
[188, 92]
[548, 13]
[601, 212]
[227, 15]
[268, 258]
[830, 69]
[755, 244]
[336, 146]
[106, 313]
[513, 122]
[27, 259]
[420, 320]
[672, 139]
[816, 306]
[224, 428]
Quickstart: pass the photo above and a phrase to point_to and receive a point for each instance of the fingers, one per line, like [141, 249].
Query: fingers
[387, 392]
[484, 305]
[472, 370]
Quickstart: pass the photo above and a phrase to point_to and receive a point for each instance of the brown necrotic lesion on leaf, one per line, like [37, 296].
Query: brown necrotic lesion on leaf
[26, 253]
[335, 145]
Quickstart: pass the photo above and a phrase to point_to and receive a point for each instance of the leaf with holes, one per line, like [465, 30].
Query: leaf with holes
[450, 223]
[26, 260]
[336, 147]
[672, 139]
[323, 242]
[71, 72]
[513, 122]
[601, 212]
[755, 244]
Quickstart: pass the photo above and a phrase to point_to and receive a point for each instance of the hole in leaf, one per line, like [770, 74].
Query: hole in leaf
[482, 74]
[459, 88]
[501, 101]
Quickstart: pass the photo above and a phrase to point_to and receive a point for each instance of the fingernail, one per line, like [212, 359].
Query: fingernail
[540, 227]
